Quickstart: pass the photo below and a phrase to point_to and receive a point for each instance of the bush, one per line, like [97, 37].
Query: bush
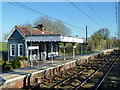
[23, 58]
[16, 63]
[6, 66]
[3, 65]
[20, 58]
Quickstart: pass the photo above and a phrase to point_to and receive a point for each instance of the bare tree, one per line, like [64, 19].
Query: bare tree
[55, 26]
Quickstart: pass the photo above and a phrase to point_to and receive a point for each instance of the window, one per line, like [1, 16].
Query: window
[12, 50]
[20, 49]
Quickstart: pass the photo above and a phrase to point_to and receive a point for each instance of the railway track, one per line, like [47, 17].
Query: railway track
[80, 76]
[106, 74]
[111, 80]
[95, 79]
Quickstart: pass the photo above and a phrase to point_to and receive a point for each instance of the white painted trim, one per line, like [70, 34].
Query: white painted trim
[10, 33]
[33, 47]
[51, 38]
[13, 30]
[26, 49]
[11, 50]
[19, 49]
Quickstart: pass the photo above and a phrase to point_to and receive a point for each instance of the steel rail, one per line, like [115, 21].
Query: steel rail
[79, 85]
[58, 84]
[106, 75]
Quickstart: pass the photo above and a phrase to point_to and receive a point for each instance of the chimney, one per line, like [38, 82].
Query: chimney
[41, 27]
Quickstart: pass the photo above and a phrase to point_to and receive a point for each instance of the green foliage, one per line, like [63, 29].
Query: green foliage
[23, 58]
[3, 46]
[2, 62]
[103, 33]
[6, 66]
[16, 63]
[69, 48]
[100, 40]
[3, 65]
[115, 42]
[20, 58]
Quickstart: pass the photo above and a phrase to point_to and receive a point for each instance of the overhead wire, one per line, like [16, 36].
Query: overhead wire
[83, 12]
[38, 12]
[63, 13]
[96, 13]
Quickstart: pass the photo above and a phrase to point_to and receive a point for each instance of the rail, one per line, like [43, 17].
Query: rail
[79, 85]
[106, 75]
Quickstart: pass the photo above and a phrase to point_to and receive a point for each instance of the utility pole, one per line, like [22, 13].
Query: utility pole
[86, 39]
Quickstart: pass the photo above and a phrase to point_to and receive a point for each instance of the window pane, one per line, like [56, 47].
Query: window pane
[12, 50]
[21, 50]
[13, 53]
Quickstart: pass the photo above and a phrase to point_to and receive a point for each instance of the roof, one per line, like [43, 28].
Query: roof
[39, 36]
[27, 31]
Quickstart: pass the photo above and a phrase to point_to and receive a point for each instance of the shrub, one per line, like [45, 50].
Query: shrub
[20, 58]
[3, 65]
[23, 58]
[6, 66]
[16, 63]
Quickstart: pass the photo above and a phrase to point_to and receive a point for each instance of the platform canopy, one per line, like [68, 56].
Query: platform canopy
[53, 38]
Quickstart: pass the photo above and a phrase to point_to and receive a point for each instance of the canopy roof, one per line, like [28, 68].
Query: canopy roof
[54, 38]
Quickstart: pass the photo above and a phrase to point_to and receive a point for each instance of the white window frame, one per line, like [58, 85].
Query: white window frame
[19, 49]
[11, 50]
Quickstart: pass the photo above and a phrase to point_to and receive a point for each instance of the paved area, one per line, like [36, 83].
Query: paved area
[22, 72]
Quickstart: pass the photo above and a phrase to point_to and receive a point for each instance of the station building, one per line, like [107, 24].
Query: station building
[36, 43]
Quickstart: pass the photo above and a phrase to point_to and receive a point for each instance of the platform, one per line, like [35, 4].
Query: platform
[7, 77]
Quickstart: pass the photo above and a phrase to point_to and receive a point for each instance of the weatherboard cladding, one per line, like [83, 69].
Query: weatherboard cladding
[16, 38]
